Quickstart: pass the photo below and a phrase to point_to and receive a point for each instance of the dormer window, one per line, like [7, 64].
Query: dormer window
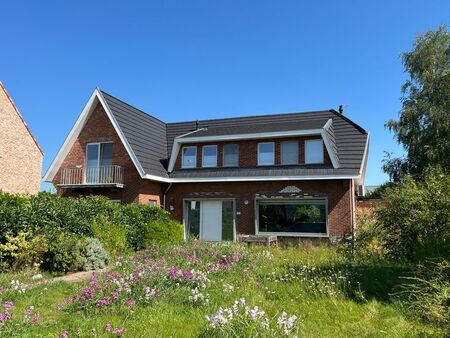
[289, 152]
[313, 151]
[209, 156]
[266, 153]
[189, 157]
[230, 155]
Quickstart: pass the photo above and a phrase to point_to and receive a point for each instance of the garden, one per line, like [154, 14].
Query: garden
[148, 282]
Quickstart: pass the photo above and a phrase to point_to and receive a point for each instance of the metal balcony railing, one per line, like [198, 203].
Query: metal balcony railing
[111, 175]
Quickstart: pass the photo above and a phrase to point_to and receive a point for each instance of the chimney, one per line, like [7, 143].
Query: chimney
[196, 125]
[341, 109]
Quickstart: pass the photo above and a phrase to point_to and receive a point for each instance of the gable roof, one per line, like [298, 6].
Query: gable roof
[151, 143]
[20, 116]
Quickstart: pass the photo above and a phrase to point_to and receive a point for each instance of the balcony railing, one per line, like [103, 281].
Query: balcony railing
[111, 175]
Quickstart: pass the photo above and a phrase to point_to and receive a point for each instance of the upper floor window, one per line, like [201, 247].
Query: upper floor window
[209, 156]
[230, 155]
[266, 153]
[99, 154]
[189, 157]
[289, 152]
[313, 151]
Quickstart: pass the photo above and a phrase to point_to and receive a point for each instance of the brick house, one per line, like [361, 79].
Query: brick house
[20, 154]
[294, 174]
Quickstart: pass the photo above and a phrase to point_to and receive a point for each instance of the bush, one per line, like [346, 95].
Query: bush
[415, 217]
[13, 214]
[93, 255]
[369, 235]
[20, 252]
[112, 236]
[162, 232]
[64, 254]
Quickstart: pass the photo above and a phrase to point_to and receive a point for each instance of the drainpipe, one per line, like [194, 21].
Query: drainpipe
[164, 196]
[353, 202]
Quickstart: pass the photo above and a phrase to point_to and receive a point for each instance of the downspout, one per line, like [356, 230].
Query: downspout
[353, 201]
[164, 196]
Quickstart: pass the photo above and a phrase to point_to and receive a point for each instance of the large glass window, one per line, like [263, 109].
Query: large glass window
[289, 152]
[99, 162]
[209, 156]
[293, 216]
[189, 157]
[230, 155]
[192, 219]
[266, 153]
[313, 151]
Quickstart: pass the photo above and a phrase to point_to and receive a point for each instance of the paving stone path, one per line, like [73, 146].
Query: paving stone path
[77, 276]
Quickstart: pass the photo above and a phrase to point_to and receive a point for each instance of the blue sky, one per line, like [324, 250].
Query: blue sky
[184, 60]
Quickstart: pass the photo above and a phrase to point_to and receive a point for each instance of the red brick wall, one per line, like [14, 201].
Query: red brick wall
[248, 151]
[98, 128]
[338, 193]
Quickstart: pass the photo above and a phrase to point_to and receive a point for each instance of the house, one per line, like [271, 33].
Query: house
[20, 154]
[288, 174]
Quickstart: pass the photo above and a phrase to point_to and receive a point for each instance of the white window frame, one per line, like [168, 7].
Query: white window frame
[99, 150]
[182, 158]
[281, 151]
[223, 155]
[273, 154]
[203, 156]
[292, 234]
[306, 151]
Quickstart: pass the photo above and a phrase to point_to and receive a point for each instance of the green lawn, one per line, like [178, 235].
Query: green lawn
[332, 296]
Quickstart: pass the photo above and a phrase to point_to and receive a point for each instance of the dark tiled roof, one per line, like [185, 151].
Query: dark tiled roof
[145, 134]
[151, 139]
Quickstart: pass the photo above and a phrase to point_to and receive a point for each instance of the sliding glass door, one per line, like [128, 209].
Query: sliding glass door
[99, 162]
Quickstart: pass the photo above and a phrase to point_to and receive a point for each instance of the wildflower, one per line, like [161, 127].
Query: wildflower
[35, 319]
[29, 311]
[130, 303]
[64, 334]
[228, 288]
[8, 305]
[108, 327]
[119, 331]
[285, 322]
[36, 277]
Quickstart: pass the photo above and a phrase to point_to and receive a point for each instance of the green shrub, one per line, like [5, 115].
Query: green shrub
[93, 255]
[63, 254]
[162, 232]
[21, 251]
[14, 212]
[415, 217]
[111, 235]
[369, 235]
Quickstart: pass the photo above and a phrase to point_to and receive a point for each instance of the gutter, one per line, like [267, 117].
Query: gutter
[165, 194]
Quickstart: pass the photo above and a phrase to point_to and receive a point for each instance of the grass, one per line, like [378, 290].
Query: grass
[332, 295]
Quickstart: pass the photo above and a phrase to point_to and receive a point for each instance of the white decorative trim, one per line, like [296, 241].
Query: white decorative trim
[263, 178]
[362, 170]
[176, 149]
[328, 146]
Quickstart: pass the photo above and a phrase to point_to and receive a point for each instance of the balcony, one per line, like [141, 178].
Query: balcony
[92, 177]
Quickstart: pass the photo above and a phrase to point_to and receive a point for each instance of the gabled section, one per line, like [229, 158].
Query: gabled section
[96, 97]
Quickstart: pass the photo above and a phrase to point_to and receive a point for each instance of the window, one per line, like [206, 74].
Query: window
[230, 155]
[266, 153]
[152, 203]
[293, 216]
[189, 157]
[209, 156]
[313, 151]
[99, 162]
[289, 152]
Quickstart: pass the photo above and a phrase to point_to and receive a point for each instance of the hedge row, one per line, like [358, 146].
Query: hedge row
[68, 225]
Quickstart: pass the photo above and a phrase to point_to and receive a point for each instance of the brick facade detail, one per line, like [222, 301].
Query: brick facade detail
[20, 155]
[337, 192]
[98, 128]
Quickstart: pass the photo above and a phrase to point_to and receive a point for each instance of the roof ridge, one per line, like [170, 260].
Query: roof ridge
[21, 117]
[251, 116]
[130, 105]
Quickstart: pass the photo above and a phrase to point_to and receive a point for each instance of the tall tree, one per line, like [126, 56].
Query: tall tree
[423, 127]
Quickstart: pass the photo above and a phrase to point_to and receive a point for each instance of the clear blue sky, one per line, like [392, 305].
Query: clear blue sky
[183, 60]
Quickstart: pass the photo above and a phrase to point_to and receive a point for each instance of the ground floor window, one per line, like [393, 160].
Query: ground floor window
[209, 220]
[292, 216]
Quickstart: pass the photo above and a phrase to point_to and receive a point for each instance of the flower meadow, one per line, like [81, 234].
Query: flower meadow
[207, 290]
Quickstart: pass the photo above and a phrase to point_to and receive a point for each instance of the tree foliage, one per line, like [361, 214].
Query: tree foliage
[423, 127]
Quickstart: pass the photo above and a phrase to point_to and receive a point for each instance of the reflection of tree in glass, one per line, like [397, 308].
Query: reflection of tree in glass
[307, 213]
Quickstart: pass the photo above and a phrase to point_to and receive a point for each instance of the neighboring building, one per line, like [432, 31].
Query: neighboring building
[288, 174]
[20, 154]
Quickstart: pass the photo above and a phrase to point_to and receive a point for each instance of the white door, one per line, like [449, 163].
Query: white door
[211, 221]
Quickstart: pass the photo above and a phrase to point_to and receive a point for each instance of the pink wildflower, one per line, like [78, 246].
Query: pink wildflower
[64, 334]
[8, 305]
[108, 327]
[130, 303]
[35, 319]
[119, 331]
[29, 311]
